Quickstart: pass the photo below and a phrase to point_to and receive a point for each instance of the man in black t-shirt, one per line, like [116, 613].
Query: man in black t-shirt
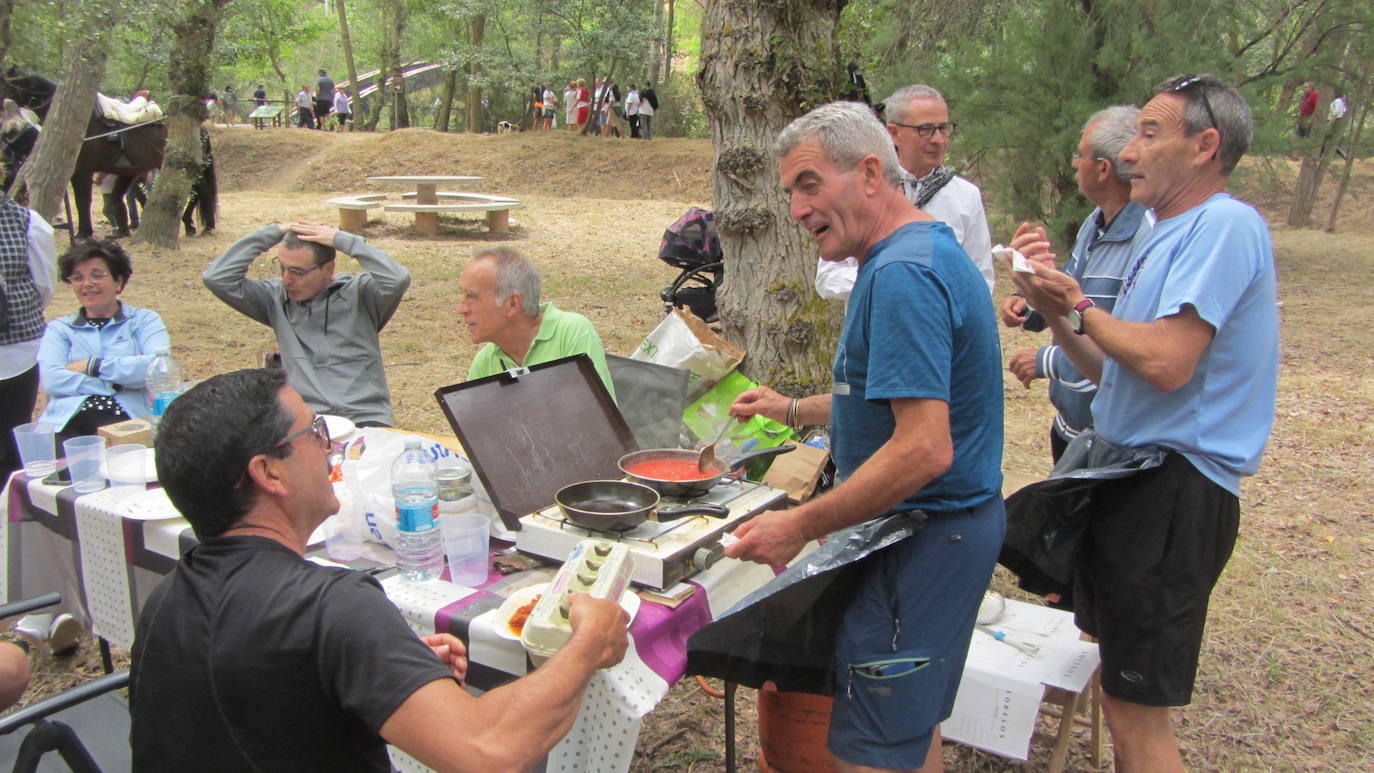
[324, 98]
[249, 657]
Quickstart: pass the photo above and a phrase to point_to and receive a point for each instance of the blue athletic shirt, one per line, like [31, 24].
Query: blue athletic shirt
[1216, 257]
[920, 325]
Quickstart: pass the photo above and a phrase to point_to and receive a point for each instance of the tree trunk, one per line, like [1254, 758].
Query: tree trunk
[347, 43]
[188, 79]
[6, 12]
[50, 166]
[761, 62]
[1355, 119]
[400, 118]
[656, 43]
[1312, 149]
[475, 119]
[444, 114]
[668, 41]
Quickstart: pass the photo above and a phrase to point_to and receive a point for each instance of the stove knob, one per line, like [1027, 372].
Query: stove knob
[706, 557]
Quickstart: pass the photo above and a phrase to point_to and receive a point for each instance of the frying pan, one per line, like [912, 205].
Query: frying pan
[618, 505]
[688, 458]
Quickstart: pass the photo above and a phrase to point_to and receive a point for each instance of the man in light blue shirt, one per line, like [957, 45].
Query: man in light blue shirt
[1186, 362]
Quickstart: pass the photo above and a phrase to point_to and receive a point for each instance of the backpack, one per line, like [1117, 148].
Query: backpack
[689, 242]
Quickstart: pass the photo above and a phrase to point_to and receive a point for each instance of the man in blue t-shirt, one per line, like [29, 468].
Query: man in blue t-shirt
[917, 413]
[1187, 362]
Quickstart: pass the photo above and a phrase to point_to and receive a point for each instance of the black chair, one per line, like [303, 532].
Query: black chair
[92, 706]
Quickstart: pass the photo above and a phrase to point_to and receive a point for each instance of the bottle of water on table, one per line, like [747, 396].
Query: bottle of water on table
[163, 383]
[419, 546]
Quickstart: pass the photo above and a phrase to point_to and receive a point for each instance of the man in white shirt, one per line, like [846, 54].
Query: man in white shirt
[632, 111]
[918, 120]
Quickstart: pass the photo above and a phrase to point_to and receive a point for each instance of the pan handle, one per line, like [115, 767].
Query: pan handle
[761, 453]
[715, 511]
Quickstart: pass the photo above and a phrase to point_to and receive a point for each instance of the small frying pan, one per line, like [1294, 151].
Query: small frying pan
[618, 505]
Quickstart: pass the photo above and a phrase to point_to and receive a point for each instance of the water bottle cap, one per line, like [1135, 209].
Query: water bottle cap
[412, 441]
[163, 350]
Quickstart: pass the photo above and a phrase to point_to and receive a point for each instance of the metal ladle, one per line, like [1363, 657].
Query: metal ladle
[707, 458]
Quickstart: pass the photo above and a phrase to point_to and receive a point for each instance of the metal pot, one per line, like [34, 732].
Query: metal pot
[696, 486]
[618, 505]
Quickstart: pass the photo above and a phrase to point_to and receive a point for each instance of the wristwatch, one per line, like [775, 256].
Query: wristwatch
[1076, 314]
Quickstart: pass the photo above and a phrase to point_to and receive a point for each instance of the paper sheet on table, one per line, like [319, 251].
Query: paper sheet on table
[989, 713]
[1064, 661]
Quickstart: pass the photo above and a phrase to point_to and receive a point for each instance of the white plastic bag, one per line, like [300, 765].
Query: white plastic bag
[381, 447]
[683, 340]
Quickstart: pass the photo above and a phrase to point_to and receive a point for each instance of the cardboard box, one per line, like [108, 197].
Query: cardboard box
[133, 431]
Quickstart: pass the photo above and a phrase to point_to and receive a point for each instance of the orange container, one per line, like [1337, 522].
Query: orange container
[792, 731]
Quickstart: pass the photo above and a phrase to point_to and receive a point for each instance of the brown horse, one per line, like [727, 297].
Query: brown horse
[128, 152]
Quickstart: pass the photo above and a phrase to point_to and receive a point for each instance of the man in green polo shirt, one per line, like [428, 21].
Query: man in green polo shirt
[499, 302]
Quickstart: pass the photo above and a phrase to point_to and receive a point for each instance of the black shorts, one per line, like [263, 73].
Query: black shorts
[1155, 546]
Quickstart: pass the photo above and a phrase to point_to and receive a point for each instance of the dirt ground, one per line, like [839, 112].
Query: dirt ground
[1285, 679]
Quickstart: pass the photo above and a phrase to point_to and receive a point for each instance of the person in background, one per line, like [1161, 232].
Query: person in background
[305, 109]
[249, 657]
[648, 105]
[550, 107]
[632, 111]
[324, 100]
[92, 363]
[584, 103]
[570, 106]
[260, 95]
[1108, 238]
[499, 303]
[918, 121]
[327, 326]
[342, 112]
[230, 101]
[1308, 108]
[28, 268]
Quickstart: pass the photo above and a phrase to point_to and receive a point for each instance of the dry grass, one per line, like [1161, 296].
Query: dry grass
[1285, 680]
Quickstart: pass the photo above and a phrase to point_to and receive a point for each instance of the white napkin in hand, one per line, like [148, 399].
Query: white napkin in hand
[1018, 261]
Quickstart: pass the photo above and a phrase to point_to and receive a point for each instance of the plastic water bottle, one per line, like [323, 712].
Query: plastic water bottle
[419, 546]
[163, 383]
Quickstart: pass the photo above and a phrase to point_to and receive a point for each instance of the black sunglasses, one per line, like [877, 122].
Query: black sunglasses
[1187, 82]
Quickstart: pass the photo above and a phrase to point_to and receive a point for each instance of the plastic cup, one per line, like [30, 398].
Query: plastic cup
[126, 465]
[466, 547]
[37, 448]
[85, 457]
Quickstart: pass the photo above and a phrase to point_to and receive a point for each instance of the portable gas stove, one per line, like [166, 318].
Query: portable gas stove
[663, 553]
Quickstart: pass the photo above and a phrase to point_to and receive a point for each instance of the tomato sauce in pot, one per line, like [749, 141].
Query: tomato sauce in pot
[674, 470]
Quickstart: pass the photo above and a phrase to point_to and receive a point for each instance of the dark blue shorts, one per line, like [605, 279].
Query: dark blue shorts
[901, 647]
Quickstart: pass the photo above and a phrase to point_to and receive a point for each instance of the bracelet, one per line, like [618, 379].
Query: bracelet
[792, 412]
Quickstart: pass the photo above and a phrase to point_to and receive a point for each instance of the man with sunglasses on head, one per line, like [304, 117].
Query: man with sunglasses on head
[326, 324]
[1186, 366]
[918, 120]
[250, 657]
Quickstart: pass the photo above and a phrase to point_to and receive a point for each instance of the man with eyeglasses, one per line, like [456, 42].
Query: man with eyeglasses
[326, 324]
[250, 657]
[1105, 243]
[918, 120]
[1186, 366]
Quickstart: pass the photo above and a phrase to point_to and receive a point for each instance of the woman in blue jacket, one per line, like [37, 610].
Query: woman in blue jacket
[92, 363]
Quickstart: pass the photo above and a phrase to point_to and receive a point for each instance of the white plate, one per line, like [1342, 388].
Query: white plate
[629, 601]
[150, 505]
[149, 467]
[339, 427]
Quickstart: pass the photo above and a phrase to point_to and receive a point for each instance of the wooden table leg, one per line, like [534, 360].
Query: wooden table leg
[352, 220]
[498, 221]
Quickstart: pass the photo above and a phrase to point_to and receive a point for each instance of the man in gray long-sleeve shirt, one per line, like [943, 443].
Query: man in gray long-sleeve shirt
[326, 325]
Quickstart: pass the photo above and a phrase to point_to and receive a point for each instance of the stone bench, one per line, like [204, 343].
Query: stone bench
[427, 215]
[353, 209]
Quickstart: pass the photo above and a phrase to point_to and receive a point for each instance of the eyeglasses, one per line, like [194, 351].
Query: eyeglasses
[925, 130]
[96, 275]
[293, 271]
[1184, 83]
[318, 427]
[1079, 157]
